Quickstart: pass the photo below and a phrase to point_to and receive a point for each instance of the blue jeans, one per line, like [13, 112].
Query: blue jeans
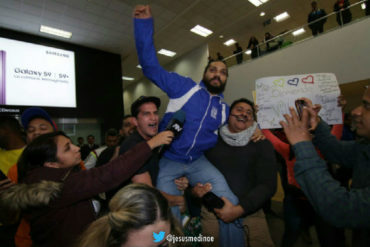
[201, 171]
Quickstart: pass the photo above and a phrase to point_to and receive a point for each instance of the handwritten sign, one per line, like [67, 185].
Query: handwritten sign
[274, 96]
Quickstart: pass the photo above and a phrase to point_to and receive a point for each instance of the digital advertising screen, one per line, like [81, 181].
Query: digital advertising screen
[36, 75]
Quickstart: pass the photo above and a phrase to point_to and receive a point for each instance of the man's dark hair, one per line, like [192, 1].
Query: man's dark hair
[212, 61]
[125, 117]
[111, 132]
[91, 136]
[135, 107]
[247, 101]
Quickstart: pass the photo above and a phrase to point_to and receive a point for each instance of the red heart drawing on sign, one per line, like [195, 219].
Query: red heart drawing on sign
[308, 79]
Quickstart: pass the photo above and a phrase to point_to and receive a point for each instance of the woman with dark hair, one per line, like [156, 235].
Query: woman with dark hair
[135, 213]
[56, 196]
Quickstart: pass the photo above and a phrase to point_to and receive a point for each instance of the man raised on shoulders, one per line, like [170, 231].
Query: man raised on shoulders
[205, 112]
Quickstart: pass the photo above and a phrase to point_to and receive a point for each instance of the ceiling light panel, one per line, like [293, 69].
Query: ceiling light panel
[166, 53]
[202, 31]
[127, 78]
[298, 32]
[281, 17]
[257, 2]
[230, 42]
[55, 31]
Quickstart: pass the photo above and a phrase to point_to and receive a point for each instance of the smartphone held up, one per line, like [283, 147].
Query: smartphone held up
[299, 105]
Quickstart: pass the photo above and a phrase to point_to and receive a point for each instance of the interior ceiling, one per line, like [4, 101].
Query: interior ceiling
[107, 24]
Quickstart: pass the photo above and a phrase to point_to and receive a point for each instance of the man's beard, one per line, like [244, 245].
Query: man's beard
[214, 89]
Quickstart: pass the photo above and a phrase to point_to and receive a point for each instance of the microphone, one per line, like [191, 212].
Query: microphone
[175, 125]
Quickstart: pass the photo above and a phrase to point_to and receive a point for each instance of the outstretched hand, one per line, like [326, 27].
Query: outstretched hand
[256, 108]
[182, 183]
[296, 130]
[5, 184]
[313, 113]
[258, 135]
[229, 212]
[162, 138]
[199, 190]
[142, 12]
[342, 102]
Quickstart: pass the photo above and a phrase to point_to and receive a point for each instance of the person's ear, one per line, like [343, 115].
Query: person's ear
[52, 164]
[134, 121]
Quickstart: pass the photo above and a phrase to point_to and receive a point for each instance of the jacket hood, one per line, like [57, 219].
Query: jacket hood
[21, 197]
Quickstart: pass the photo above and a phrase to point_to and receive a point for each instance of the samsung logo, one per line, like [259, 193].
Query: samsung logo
[57, 54]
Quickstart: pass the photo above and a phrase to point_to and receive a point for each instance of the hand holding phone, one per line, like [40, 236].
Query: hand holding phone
[5, 182]
[211, 201]
[299, 104]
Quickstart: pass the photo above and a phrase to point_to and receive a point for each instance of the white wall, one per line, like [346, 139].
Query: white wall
[345, 52]
[190, 65]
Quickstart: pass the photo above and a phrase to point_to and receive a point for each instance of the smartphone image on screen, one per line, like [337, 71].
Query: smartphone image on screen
[299, 104]
[2, 77]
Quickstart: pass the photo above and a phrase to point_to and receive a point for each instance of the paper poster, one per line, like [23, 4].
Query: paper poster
[274, 96]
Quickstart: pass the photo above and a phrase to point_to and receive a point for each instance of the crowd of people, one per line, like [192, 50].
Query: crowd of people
[315, 21]
[56, 193]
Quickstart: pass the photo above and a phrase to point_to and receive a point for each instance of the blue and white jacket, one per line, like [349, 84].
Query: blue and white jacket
[204, 113]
